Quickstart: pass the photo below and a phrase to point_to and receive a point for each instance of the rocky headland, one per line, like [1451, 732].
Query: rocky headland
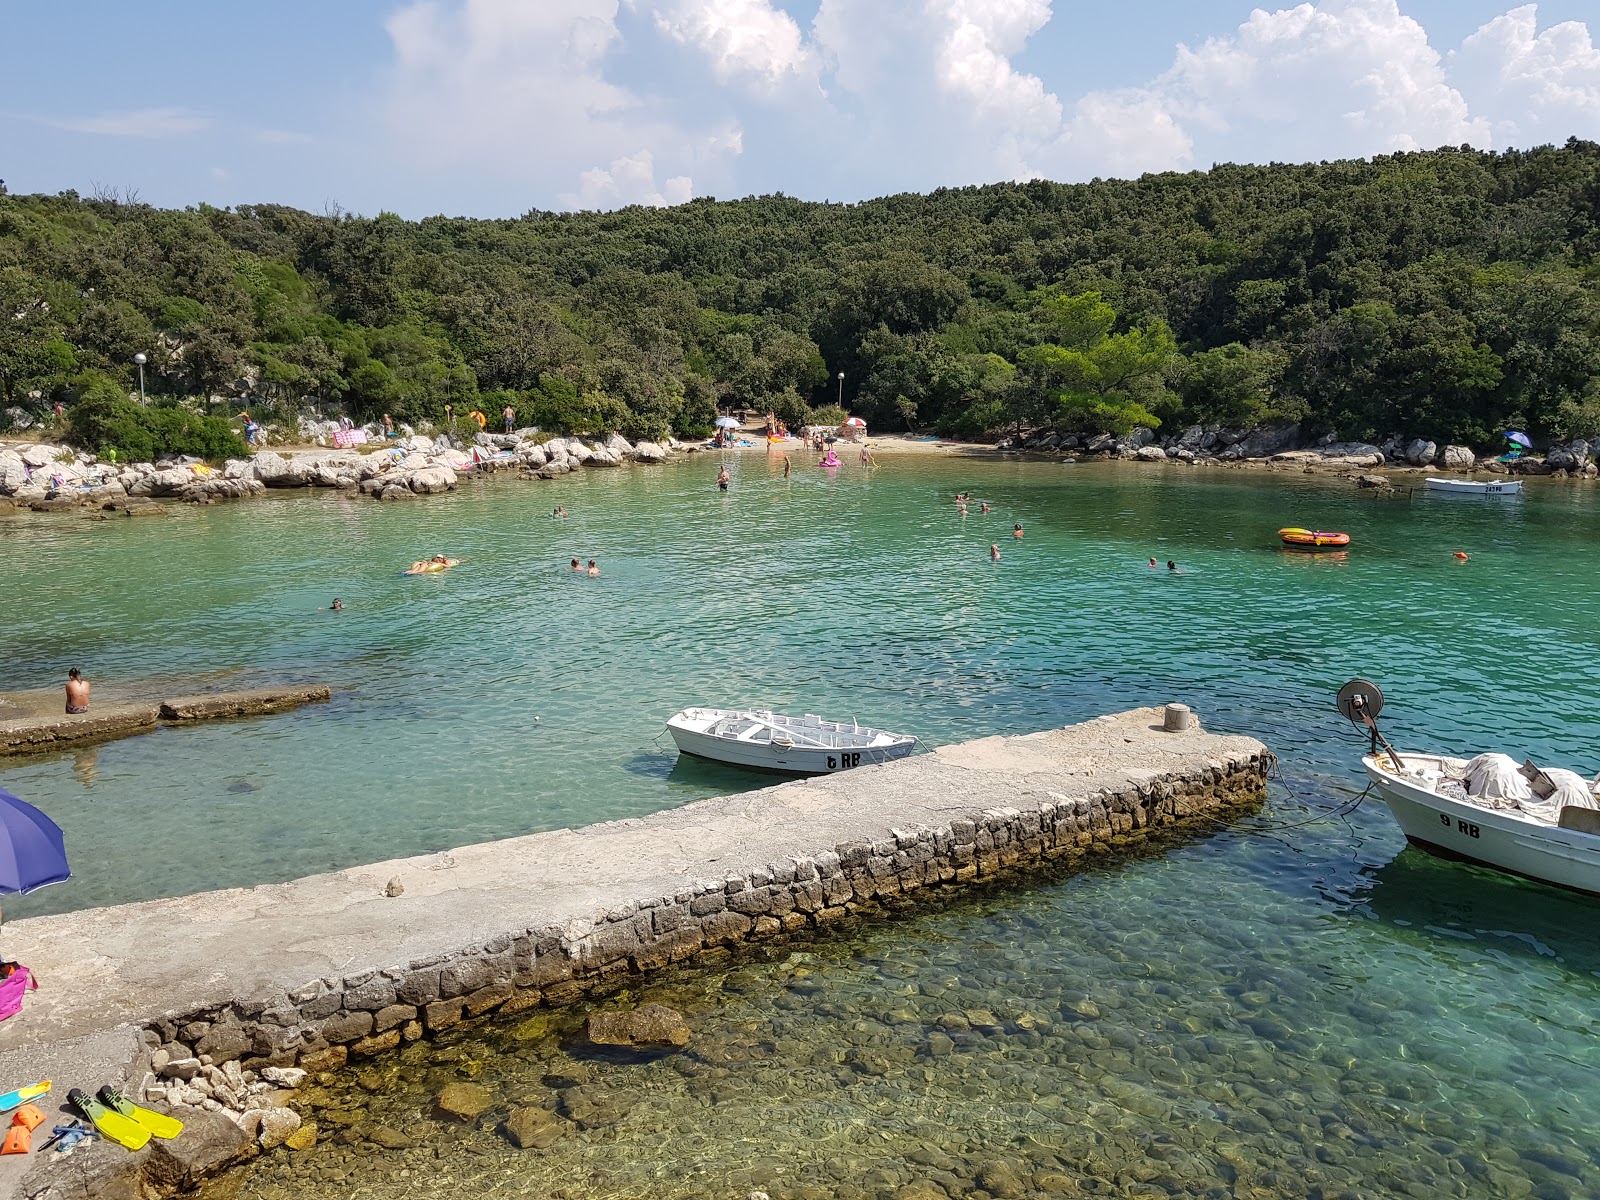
[1286, 445]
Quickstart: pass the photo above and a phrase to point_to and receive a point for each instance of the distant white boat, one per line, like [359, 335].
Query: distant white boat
[807, 745]
[1476, 487]
[1436, 810]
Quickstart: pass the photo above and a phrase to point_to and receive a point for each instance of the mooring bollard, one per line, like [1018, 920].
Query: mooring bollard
[1177, 718]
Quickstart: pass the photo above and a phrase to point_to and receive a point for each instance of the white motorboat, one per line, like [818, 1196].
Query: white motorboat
[1476, 487]
[807, 745]
[1541, 824]
[1428, 796]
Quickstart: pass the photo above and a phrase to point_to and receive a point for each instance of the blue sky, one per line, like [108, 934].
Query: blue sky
[492, 107]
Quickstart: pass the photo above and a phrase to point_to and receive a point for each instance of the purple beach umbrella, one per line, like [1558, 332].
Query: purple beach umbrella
[32, 852]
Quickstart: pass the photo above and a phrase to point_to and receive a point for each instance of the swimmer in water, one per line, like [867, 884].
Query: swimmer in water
[593, 570]
[1174, 568]
[1153, 563]
[994, 553]
[578, 566]
[723, 479]
[985, 507]
[1016, 531]
[337, 605]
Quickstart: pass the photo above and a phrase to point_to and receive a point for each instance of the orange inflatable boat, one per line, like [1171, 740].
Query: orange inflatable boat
[1313, 538]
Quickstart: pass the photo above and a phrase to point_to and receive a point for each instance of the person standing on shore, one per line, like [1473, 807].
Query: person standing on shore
[77, 692]
[388, 426]
[510, 416]
[449, 415]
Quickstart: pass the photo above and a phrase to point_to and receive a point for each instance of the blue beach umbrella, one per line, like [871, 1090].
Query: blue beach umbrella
[32, 852]
[1520, 439]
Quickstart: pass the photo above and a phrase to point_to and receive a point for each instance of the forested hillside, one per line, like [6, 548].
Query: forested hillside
[1448, 294]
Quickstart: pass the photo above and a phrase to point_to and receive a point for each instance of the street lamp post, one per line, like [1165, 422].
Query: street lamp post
[141, 360]
[841, 389]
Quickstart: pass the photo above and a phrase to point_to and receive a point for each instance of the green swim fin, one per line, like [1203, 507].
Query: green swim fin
[159, 1124]
[112, 1125]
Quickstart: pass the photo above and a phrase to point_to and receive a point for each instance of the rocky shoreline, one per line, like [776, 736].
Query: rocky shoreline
[1200, 445]
[49, 478]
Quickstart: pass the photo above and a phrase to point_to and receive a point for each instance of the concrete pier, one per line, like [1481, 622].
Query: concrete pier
[36, 732]
[353, 963]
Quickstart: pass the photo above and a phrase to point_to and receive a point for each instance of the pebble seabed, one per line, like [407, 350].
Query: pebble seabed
[1061, 1041]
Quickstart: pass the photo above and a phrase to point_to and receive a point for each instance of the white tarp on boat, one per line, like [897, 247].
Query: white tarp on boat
[1499, 781]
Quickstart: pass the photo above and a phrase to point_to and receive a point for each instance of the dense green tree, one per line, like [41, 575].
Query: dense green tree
[1448, 293]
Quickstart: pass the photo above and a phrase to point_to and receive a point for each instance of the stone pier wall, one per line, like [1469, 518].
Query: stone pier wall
[322, 1024]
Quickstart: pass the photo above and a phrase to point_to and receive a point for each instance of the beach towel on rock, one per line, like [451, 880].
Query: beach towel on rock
[15, 982]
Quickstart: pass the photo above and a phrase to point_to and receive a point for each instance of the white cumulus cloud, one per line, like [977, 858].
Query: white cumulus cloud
[630, 179]
[744, 40]
[1537, 87]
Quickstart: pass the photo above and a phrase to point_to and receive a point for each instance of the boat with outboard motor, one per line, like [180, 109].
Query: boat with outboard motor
[1540, 823]
[807, 745]
[1475, 487]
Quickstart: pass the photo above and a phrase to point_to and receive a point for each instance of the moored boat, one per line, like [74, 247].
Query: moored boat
[1313, 539]
[1539, 823]
[1475, 487]
[806, 745]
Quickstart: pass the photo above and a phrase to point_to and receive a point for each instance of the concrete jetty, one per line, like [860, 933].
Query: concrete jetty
[355, 962]
[37, 732]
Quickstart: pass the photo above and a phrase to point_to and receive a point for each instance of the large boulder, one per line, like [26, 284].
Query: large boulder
[13, 474]
[464, 1101]
[1420, 452]
[1150, 454]
[1457, 458]
[619, 445]
[272, 469]
[605, 457]
[1352, 454]
[1569, 457]
[1264, 443]
[531, 454]
[650, 452]
[578, 452]
[39, 456]
[162, 483]
[647, 1025]
[431, 480]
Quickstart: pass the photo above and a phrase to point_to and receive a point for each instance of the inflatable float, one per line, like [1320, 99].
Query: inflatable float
[430, 567]
[1313, 539]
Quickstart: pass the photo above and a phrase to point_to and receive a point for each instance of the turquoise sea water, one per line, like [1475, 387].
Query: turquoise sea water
[1264, 1012]
[510, 696]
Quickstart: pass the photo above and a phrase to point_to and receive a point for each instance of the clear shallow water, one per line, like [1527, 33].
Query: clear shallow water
[1263, 1013]
[510, 696]
[1247, 1016]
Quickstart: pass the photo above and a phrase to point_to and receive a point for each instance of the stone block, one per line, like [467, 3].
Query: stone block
[419, 987]
[552, 967]
[376, 993]
[463, 976]
[522, 998]
[442, 1014]
[324, 1004]
[725, 927]
[751, 901]
[710, 902]
[376, 1044]
[485, 998]
[210, 1144]
[669, 917]
[392, 1016]
[225, 1043]
[327, 1059]
[346, 1027]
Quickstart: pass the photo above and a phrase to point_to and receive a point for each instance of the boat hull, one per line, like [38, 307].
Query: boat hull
[1476, 487]
[791, 760]
[1458, 830]
[1314, 539]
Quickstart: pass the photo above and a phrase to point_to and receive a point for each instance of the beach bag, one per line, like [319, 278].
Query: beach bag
[15, 981]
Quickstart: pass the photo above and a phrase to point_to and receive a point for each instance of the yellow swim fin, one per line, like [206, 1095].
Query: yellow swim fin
[159, 1124]
[112, 1125]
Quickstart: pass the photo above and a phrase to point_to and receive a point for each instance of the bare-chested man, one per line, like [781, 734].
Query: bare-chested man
[77, 692]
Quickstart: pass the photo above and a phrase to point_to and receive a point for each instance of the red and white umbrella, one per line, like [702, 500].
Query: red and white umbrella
[855, 422]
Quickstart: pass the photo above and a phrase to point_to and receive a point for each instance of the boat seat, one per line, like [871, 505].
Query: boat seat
[1578, 819]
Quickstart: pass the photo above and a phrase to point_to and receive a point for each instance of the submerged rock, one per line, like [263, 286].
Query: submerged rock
[532, 1128]
[464, 1101]
[647, 1025]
